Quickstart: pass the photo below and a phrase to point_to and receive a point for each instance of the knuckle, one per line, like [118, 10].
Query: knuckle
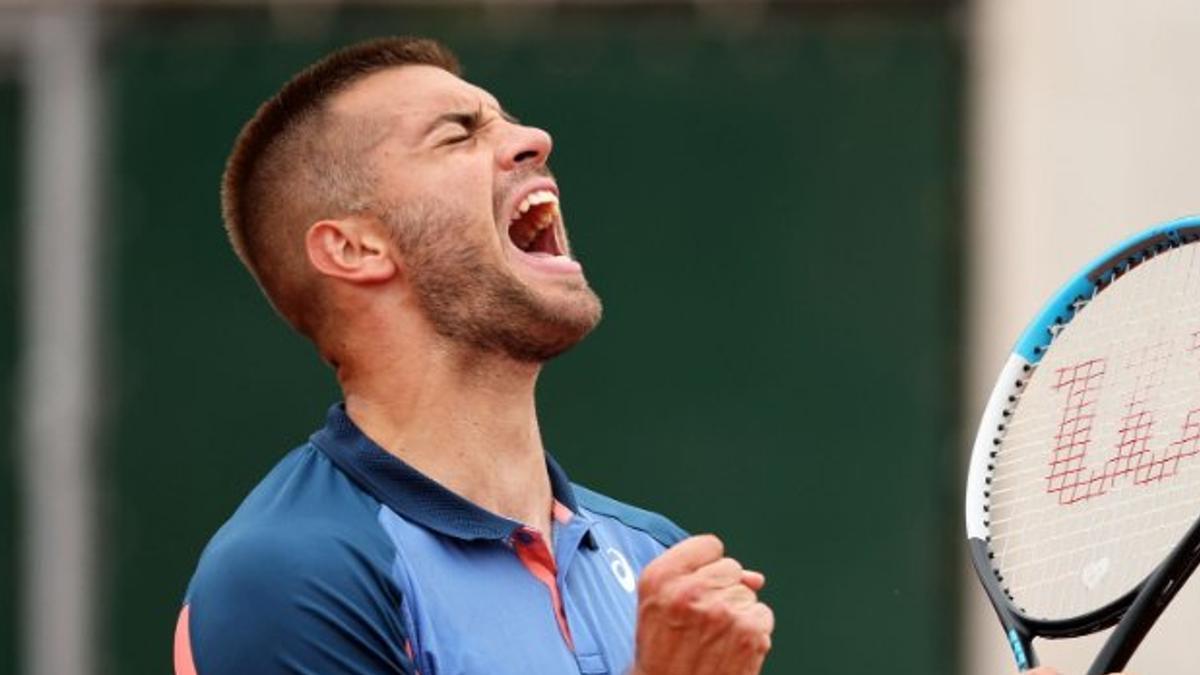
[727, 567]
[719, 615]
[713, 543]
[748, 641]
[683, 596]
[753, 628]
[748, 626]
[649, 582]
[768, 615]
[759, 646]
[742, 596]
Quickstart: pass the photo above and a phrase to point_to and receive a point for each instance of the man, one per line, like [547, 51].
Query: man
[398, 217]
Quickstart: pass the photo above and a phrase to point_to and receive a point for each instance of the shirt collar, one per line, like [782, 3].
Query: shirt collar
[414, 495]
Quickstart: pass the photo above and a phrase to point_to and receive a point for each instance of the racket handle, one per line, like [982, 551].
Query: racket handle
[1019, 638]
[1154, 597]
[1022, 649]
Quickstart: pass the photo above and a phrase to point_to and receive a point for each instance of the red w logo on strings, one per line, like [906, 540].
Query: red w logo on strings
[1132, 458]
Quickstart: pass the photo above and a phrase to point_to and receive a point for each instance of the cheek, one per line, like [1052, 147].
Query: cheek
[470, 180]
[472, 194]
[456, 191]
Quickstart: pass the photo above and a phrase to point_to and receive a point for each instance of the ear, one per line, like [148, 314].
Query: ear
[352, 249]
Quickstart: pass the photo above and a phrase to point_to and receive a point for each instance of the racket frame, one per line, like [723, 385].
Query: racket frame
[1161, 584]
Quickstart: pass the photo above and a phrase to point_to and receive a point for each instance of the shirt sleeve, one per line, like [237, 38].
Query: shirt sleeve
[272, 602]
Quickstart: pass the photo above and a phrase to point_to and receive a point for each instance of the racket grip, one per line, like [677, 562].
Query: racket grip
[1022, 649]
[1019, 638]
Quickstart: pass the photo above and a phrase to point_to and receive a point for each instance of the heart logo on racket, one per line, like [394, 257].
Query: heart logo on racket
[1094, 573]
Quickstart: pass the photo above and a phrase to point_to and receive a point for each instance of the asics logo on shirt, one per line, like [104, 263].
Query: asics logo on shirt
[620, 569]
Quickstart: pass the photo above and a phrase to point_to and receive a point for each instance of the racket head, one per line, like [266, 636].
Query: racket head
[1044, 502]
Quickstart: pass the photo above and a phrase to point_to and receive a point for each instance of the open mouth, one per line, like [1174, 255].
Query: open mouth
[533, 226]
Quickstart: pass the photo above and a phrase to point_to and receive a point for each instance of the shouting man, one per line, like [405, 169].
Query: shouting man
[395, 215]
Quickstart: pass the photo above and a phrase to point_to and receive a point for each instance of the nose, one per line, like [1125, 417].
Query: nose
[525, 147]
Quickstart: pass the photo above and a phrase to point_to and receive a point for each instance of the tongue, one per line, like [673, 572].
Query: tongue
[544, 242]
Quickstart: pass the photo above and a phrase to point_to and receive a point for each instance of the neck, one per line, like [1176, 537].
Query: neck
[463, 418]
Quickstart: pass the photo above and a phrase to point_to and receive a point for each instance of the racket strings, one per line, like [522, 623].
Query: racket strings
[1095, 475]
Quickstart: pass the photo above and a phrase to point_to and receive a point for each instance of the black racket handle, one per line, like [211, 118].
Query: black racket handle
[1153, 598]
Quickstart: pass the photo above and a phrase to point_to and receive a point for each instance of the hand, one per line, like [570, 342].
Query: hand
[699, 614]
[1048, 670]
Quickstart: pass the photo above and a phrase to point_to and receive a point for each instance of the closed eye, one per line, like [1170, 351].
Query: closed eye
[470, 123]
[467, 123]
[461, 138]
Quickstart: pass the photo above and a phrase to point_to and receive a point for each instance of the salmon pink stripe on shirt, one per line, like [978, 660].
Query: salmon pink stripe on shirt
[411, 657]
[184, 665]
[561, 513]
[535, 556]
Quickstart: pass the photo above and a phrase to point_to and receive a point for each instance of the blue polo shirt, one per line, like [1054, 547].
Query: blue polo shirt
[344, 559]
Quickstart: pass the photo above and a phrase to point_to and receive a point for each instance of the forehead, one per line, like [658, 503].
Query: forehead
[412, 91]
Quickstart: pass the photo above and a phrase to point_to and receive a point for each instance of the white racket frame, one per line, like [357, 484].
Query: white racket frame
[1020, 628]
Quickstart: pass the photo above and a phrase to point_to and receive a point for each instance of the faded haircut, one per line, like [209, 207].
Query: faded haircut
[294, 164]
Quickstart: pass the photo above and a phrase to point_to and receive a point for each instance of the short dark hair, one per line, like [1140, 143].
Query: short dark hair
[289, 168]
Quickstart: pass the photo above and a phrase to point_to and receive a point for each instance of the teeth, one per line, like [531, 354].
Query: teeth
[542, 197]
[541, 220]
[533, 199]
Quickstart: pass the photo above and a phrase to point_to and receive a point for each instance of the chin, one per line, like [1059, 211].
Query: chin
[562, 325]
[494, 310]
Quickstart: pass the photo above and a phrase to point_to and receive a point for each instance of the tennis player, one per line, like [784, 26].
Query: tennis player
[399, 218]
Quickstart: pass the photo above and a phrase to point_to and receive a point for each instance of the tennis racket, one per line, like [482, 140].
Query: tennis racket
[1083, 493]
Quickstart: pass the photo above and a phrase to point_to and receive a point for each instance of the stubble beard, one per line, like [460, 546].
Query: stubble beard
[470, 299]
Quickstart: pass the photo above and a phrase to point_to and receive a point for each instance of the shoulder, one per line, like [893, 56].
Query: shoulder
[301, 559]
[656, 526]
[280, 557]
[303, 519]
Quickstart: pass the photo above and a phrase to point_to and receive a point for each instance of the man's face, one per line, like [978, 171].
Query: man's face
[474, 212]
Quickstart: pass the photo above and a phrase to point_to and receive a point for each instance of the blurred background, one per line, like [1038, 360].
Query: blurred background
[817, 227]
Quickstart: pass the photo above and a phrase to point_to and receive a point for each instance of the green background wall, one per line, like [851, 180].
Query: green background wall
[769, 210]
[9, 243]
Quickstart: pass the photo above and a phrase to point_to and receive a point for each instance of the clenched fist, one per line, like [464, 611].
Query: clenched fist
[699, 613]
[1048, 670]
